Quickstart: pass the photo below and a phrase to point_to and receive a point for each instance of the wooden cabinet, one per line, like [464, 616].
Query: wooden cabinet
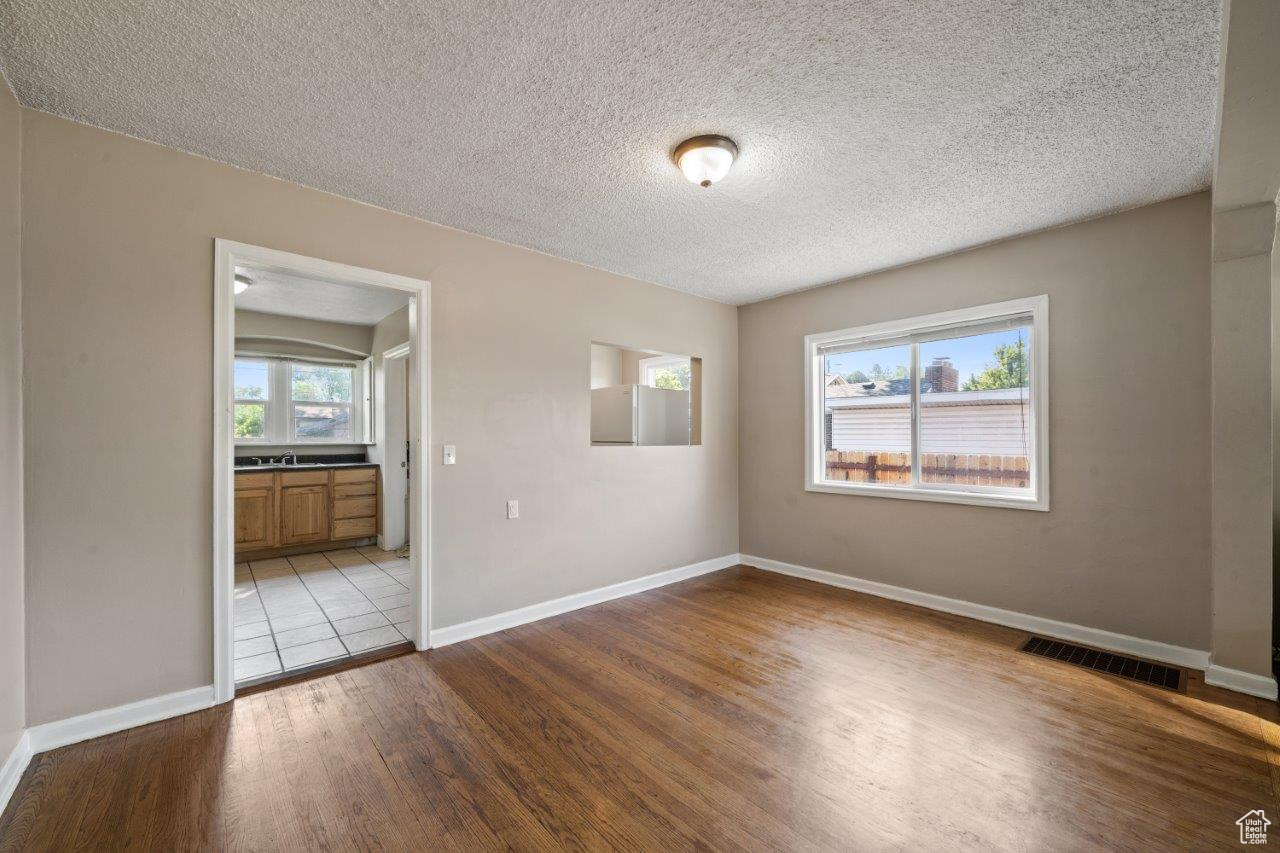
[304, 514]
[285, 511]
[355, 503]
[255, 518]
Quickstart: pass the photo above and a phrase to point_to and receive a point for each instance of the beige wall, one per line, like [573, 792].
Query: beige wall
[1246, 179]
[257, 330]
[1126, 545]
[1275, 429]
[631, 365]
[119, 508]
[1241, 440]
[12, 630]
[606, 366]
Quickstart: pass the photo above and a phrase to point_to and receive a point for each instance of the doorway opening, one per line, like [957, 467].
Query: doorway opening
[321, 410]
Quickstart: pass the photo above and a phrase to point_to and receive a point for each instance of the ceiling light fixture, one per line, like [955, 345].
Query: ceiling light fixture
[705, 159]
[242, 283]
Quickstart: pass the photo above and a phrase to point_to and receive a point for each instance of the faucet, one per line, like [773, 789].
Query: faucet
[287, 456]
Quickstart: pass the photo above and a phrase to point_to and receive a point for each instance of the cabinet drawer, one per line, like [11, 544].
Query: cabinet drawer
[304, 478]
[264, 480]
[351, 490]
[355, 475]
[354, 528]
[366, 507]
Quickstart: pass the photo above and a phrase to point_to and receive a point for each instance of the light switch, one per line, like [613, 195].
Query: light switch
[513, 509]
[450, 454]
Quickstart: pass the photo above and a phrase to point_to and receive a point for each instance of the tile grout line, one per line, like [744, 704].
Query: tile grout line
[271, 625]
[345, 651]
[271, 628]
[376, 608]
[271, 631]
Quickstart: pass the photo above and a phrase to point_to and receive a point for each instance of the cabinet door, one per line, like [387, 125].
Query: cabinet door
[304, 514]
[255, 522]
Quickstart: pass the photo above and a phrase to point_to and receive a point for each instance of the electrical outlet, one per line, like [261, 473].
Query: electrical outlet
[450, 454]
[513, 509]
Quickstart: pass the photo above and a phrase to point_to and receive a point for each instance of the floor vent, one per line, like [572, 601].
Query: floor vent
[1168, 677]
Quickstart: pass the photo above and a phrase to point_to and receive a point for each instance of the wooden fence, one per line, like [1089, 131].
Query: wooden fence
[961, 469]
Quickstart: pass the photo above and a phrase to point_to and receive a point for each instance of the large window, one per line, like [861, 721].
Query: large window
[949, 407]
[281, 401]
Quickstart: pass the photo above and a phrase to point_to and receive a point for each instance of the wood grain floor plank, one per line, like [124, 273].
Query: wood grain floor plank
[449, 762]
[691, 762]
[737, 710]
[21, 821]
[615, 793]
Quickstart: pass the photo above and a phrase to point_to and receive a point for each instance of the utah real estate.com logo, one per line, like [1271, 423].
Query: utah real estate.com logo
[1253, 827]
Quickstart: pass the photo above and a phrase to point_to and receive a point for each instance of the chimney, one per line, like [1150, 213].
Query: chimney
[941, 375]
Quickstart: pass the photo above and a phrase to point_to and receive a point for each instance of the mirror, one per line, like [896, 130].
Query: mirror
[644, 397]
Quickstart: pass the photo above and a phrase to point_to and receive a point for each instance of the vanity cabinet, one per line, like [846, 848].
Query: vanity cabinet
[287, 510]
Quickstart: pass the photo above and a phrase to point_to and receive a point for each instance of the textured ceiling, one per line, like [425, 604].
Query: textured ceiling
[317, 299]
[872, 133]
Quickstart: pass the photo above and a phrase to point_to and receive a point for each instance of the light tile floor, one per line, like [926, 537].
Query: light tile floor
[294, 612]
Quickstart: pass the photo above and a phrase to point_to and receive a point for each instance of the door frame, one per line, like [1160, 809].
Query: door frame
[394, 513]
[227, 255]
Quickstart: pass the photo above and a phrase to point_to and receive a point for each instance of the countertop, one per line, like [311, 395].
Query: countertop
[304, 466]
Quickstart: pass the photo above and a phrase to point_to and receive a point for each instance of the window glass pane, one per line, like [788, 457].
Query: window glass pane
[975, 410]
[322, 384]
[251, 380]
[868, 401]
[673, 377]
[327, 422]
[250, 420]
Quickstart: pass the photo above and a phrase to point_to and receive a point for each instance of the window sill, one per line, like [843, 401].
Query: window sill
[933, 495]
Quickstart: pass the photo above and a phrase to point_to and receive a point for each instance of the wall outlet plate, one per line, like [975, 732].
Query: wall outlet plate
[513, 509]
[450, 454]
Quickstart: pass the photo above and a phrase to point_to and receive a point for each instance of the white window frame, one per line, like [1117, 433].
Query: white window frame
[266, 403]
[905, 331]
[657, 362]
[278, 423]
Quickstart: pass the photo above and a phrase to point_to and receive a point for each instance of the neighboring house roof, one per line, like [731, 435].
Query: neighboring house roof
[835, 379]
[874, 388]
[848, 397]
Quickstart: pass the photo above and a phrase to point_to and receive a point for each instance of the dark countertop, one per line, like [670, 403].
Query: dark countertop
[304, 466]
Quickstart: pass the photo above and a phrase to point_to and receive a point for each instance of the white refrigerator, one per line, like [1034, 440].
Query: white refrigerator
[639, 415]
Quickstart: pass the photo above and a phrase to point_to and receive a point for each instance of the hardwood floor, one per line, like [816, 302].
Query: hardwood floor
[737, 710]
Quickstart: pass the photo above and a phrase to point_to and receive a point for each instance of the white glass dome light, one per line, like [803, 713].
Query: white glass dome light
[705, 160]
[242, 283]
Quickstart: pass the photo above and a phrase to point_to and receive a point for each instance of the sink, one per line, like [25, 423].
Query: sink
[279, 466]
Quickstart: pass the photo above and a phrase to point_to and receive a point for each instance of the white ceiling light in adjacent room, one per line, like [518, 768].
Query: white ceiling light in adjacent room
[705, 159]
[242, 283]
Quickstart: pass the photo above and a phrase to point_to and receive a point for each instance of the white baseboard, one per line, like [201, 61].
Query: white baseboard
[1123, 643]
[534, 612]
[1263, 686]
[15, 764]
[109, 720]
